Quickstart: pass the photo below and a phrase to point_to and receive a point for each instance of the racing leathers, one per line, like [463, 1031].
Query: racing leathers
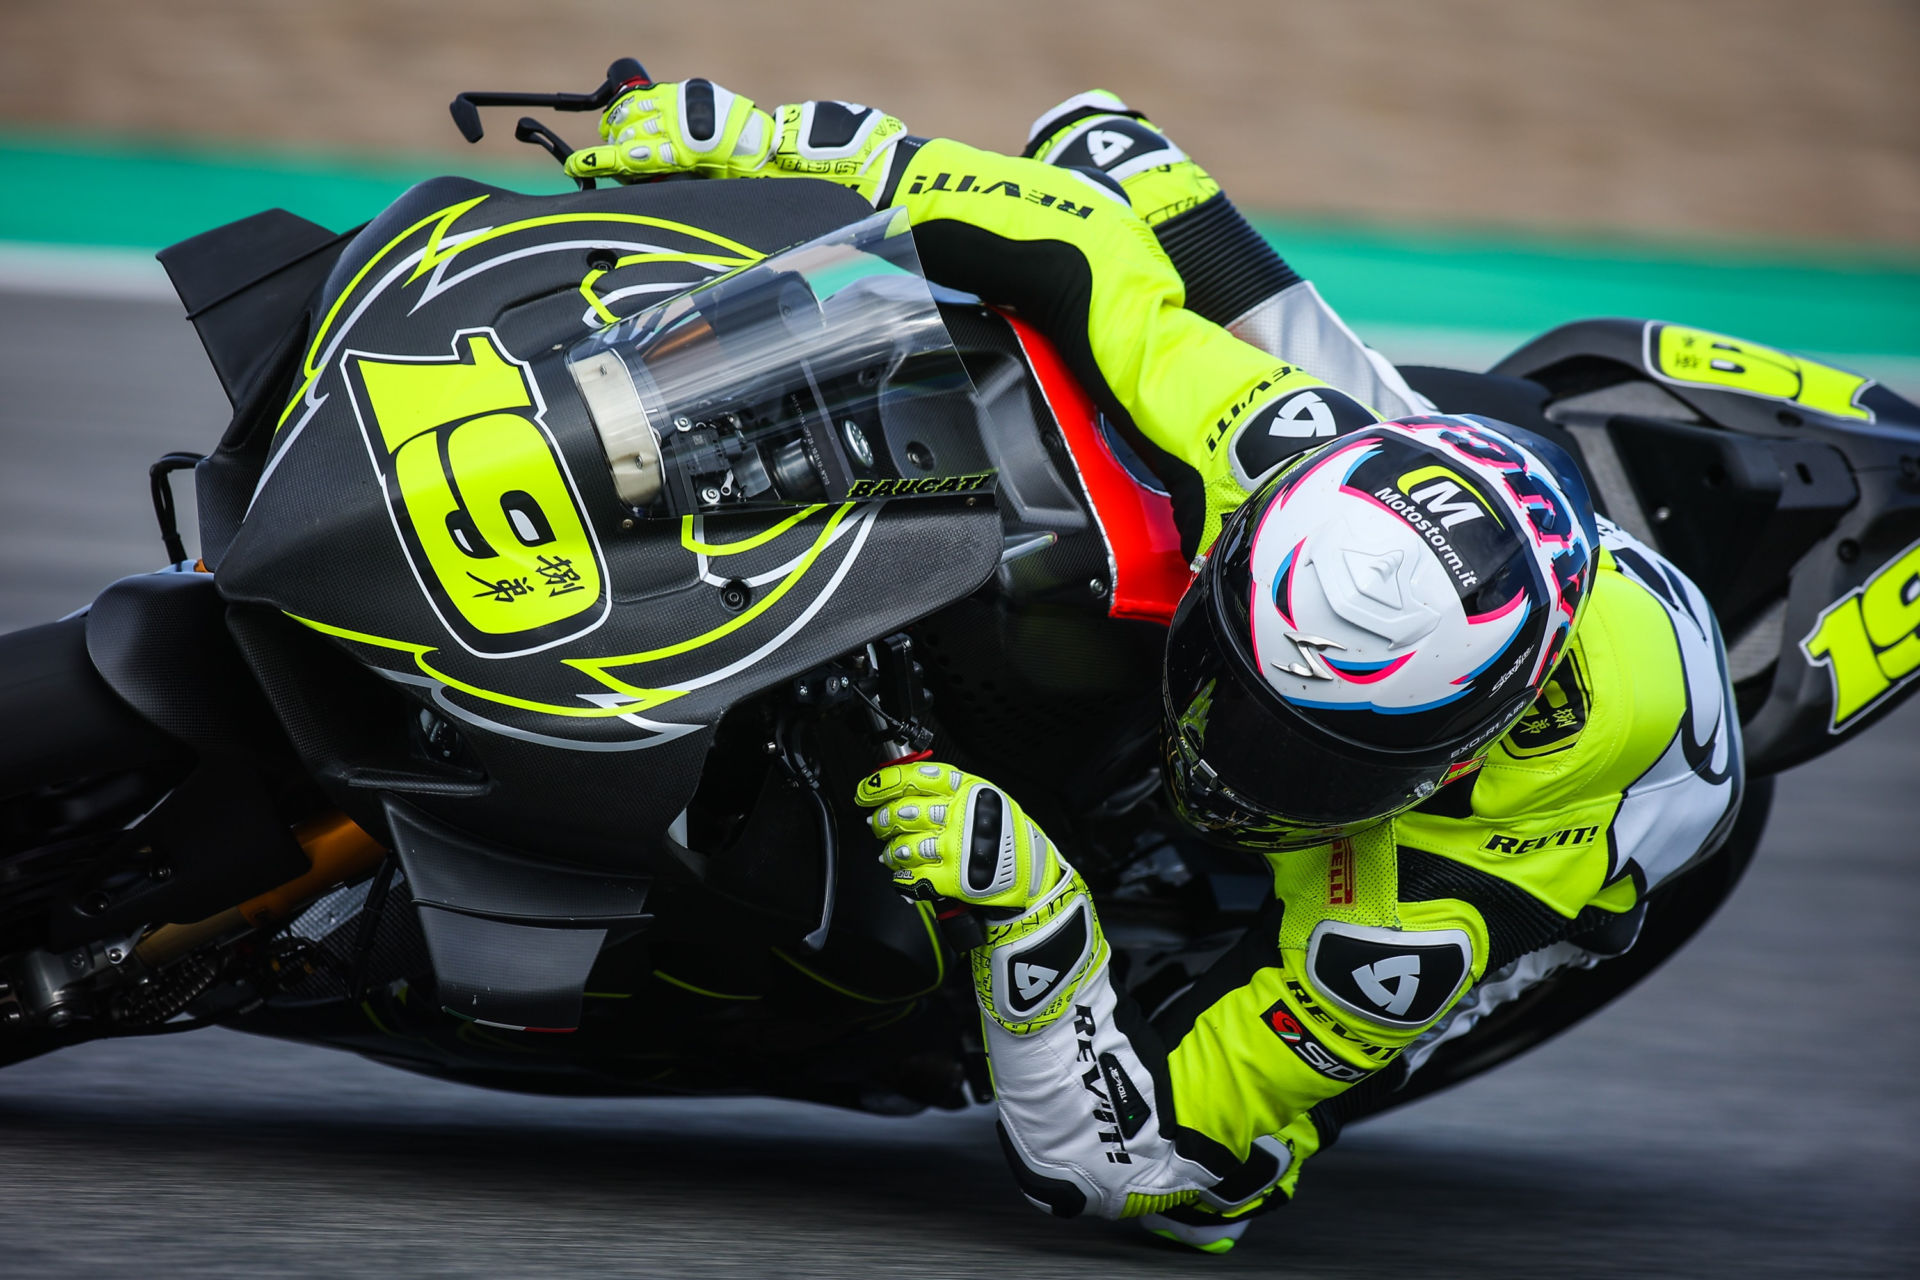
[1066, 247]
[1375, 949]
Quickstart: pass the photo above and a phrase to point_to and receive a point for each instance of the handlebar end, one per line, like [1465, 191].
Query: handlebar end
[627, 69]
[466, 118]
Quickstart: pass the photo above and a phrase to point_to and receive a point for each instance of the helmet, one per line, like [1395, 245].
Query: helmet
[1369, 623]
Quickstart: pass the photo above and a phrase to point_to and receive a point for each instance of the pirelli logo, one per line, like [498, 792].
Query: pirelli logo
[1340, 874]
[904, 488]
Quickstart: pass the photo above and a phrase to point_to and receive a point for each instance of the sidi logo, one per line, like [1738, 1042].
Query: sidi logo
[1310, 1051]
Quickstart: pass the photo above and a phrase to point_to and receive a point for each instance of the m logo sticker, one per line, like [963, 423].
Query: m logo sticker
[1446, 496]
[1390, 977]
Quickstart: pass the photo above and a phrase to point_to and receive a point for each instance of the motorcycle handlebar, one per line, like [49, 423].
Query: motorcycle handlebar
[624, 73]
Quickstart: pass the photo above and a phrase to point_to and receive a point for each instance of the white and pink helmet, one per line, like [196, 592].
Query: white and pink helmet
[1370, 622]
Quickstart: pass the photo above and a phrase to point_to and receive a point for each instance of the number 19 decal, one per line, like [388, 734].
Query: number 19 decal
[480, 495]
[1869, 639]
[1680, 354]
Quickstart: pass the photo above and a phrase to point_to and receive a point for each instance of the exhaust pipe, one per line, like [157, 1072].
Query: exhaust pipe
[339, 852]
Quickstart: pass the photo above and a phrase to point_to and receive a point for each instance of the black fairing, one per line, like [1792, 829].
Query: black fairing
[146, 780]
[246, 287]
[583, 738]
[247, 283]
[1779, 506]
[160, 641]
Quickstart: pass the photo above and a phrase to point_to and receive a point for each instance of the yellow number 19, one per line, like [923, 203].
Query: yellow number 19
[1869, 640]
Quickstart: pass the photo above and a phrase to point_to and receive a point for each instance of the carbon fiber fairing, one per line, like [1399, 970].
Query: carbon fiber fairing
[437, 503]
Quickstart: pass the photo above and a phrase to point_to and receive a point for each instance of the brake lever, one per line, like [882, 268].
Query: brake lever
[625, 73]
[531, 130]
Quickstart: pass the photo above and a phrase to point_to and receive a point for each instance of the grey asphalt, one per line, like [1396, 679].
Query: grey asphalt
[1750, 1110]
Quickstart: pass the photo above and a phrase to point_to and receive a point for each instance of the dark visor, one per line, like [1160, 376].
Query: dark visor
[1235, 748]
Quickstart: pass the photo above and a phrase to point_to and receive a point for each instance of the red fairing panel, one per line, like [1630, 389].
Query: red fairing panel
[1143, 547]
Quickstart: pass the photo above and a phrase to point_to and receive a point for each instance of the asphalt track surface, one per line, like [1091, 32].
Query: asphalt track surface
[1749, 1111]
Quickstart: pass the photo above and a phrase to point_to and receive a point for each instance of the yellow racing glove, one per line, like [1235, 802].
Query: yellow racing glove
[697, 127]
[689, 126]
[956, 836]
[953, 836]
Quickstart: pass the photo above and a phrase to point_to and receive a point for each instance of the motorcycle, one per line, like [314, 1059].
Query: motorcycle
[568, 559]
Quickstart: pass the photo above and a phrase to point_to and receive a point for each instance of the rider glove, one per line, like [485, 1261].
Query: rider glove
[697, 127]
[693, 126]
[954, 836]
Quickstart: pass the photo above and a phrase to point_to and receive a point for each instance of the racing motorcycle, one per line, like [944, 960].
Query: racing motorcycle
[568, 558]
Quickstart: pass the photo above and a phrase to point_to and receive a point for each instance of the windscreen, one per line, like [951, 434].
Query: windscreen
[822, 373]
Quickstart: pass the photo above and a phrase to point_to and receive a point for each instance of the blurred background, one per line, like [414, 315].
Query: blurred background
[1707, 118]
[1456, 175]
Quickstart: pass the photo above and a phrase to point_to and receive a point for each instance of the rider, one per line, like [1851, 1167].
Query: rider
[1467, 724]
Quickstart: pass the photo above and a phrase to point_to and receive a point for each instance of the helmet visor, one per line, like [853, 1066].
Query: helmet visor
[1239, 764]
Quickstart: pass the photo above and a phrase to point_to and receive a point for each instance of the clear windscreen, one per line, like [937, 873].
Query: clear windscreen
[822, 373]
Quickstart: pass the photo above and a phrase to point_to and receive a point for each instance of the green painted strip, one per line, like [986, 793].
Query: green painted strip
[1798, 297]
[82, 193]
[1805, 299]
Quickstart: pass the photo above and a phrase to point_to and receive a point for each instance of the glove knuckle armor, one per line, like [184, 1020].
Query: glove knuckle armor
[992, 856]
